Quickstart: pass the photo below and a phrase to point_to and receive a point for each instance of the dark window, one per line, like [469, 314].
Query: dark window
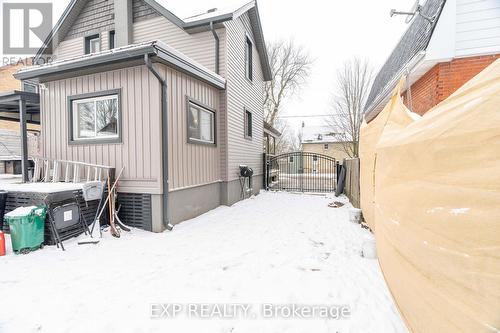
[29, 86]
[315, 158]
[201, 124]
[112, 39]
[248, 59]
[92, 44]
[290, 159]
[248, 124]
[325, 146]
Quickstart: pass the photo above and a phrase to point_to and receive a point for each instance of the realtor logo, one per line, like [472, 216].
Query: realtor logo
[25, 27]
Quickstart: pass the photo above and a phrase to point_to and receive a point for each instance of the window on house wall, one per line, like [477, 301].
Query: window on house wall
[201, 124]
[95, 118]
[29, 86]
[290, 159]
[248, 59]
[248, 124]
[325, 146]
[92, 44]
[112, 39]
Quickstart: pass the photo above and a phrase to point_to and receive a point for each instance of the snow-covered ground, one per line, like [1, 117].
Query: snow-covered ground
[276, 248]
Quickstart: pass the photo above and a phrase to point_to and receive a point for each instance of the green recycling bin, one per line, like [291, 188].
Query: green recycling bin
[26, 226]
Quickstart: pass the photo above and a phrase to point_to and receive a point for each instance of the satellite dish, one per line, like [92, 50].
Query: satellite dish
[414, 9]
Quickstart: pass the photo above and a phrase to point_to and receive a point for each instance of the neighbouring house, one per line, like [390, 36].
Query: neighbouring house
[10, 138]
[271, 136]
[324, 140]
[10, 150]
[440, 52]
[177, 102]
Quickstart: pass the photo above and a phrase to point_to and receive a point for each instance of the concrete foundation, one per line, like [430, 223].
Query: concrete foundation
[188, 203]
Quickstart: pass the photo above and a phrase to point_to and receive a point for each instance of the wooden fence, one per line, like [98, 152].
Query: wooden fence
[351, 189]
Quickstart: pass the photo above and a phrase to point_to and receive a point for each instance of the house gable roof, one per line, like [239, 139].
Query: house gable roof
[191, 24]
[105, 60]
[413, 42]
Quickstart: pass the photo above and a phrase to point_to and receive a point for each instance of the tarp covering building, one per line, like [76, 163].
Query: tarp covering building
[430, 190]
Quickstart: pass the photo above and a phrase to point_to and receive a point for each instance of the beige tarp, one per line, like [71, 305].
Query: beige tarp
[430, 189]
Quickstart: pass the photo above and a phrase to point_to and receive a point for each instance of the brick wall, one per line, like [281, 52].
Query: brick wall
[7, 80]
[444, 79]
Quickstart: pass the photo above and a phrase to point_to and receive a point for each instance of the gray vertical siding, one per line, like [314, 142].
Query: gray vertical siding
[189, 164]
[241, 94]
[140, 150]
[140, 113]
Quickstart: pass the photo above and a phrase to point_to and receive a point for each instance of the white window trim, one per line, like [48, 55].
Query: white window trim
[97, 42]
[74, 118]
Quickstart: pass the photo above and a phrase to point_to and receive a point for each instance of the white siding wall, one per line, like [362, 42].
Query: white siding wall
[477, 27]
[199, 47]
[69, 48]
[104, 40]
[241, 94]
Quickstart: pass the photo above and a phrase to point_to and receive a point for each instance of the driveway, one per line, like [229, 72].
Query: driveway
[273, 252]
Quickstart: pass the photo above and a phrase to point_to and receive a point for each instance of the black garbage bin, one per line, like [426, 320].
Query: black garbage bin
[3, 201]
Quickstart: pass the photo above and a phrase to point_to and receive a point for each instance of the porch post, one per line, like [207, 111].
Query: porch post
[24, 139]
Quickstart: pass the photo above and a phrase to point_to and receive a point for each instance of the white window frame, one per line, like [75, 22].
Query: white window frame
[74, 118]
[96, 42]
[201, 108]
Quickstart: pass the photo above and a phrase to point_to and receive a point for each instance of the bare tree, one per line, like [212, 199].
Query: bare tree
[290, 66]
[353, 85]
[289, 140]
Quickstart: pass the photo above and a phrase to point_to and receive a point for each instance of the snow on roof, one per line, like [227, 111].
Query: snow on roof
[229, 8]
[322, 134]
[193, 13]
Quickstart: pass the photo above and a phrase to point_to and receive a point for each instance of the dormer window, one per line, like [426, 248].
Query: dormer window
[92, 44]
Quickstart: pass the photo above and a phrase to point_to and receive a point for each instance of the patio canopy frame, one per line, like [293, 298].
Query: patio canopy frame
[22, 107]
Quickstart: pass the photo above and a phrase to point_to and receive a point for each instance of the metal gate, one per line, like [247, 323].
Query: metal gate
[301, 171]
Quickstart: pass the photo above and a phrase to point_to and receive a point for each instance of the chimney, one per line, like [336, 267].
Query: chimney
[211, 10]
[123, 22]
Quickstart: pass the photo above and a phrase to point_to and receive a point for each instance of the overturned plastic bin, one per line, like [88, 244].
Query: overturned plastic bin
[26, 226]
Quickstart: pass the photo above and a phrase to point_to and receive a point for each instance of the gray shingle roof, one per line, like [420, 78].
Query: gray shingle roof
[415, 39]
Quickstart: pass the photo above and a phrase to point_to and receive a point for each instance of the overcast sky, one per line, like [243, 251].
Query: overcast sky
[332, 31]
